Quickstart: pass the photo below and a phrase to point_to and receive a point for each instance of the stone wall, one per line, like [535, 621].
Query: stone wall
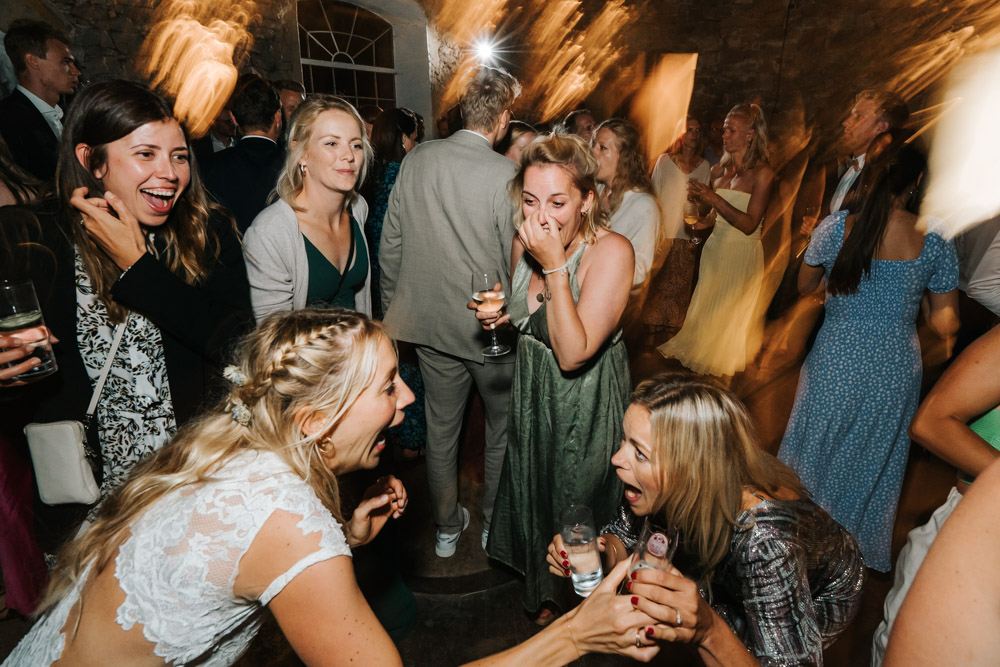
[802, 59]
[107, 34]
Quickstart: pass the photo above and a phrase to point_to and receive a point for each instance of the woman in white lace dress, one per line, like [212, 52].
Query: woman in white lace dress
[241, 510]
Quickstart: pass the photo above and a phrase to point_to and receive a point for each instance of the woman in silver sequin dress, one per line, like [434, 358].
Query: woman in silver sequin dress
[763, 574]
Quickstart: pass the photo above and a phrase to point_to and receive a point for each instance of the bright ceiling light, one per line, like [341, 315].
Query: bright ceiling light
[485, 51]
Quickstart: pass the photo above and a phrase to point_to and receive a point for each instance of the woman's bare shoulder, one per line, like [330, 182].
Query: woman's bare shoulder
[763, 172]
[609, 244]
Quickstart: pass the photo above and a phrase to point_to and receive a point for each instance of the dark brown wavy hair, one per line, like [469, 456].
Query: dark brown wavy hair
[101, 114]
[895, 173]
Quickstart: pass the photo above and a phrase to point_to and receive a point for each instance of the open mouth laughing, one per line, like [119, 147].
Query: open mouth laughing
[160, 200]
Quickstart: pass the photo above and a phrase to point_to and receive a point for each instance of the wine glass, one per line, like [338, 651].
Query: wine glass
[487, 291]
[693, 213]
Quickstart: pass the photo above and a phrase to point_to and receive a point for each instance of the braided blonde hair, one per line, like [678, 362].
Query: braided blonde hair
[318, 360]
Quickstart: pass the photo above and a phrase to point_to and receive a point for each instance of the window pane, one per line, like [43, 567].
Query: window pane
[386, 86]
[366, 84]
[321, 78]
[357, 37]
[344, 82]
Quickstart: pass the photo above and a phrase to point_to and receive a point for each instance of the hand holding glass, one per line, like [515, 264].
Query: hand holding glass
[487, 291]
[21, 318]
[580, 539]
[655, 549]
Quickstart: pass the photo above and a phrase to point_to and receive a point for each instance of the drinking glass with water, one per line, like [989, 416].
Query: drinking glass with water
[580, 539]
[21, 318]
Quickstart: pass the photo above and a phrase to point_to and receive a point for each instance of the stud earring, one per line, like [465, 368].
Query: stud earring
[302, 168]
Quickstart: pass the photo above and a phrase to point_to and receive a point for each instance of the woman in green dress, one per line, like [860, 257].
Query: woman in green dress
[308, 248]
[571, 280]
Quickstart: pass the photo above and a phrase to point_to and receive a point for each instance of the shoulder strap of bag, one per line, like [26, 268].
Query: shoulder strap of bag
[99, 387]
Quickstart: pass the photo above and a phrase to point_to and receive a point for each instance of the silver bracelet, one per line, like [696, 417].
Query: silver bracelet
[557, 270]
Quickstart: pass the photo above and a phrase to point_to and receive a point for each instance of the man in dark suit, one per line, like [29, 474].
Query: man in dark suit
[242, 177]
[30, 117]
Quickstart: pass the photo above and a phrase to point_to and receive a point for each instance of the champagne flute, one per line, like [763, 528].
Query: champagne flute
[812, 215]
[487, 291]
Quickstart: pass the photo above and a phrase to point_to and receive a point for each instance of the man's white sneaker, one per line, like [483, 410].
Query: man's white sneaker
[446, 544]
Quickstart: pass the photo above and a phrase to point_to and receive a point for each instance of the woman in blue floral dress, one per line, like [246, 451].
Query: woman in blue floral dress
[847, 435]
[394, 134]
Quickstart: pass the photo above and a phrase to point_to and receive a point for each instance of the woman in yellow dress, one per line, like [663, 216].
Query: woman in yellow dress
[720, 334]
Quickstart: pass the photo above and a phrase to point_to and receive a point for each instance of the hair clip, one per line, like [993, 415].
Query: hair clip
[241, 413]
[235, 375]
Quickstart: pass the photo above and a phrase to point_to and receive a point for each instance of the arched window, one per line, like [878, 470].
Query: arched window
[347, 51]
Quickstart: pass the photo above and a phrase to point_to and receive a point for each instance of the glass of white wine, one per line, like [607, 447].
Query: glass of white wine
[487, 291]
[691, 218]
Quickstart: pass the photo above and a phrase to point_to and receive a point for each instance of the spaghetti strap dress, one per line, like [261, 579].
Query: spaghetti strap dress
[721, 334]
[562, 429]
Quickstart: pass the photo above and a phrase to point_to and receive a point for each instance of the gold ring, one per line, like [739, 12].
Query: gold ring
[638, 637]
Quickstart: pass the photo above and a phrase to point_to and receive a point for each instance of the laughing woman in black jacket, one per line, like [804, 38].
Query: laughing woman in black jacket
[131, 240]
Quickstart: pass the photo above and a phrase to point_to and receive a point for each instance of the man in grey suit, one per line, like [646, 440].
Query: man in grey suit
[450, 215]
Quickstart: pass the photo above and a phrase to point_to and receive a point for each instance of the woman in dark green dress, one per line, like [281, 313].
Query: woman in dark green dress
[571, 280]
[308, 248]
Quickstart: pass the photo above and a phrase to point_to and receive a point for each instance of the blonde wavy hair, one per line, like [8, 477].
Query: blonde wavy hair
[572, 154]
[705, 453]
[317, 359]
[300, 132]
[758, 150]
[632, 172]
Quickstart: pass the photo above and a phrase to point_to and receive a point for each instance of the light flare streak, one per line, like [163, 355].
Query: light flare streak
[192, 55]
[962, 183]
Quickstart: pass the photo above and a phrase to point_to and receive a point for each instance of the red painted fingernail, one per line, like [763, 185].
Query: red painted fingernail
[635, 600]
[633, 574]
[565, 563]
[649, 632]
[562, 553]
[628, 585]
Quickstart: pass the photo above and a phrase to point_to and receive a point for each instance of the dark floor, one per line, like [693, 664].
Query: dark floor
[467, 609]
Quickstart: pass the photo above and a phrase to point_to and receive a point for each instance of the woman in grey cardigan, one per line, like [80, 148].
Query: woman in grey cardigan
[308, 248]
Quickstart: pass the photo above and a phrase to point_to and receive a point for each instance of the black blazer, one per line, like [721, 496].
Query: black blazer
[32, 142]
[240, 178]
[199, 324]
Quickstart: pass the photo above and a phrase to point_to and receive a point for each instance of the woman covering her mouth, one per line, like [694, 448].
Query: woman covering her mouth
[129, 240]
[763, 575]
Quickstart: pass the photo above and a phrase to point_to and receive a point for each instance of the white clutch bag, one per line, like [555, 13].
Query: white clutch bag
[59, 453]
[59, 456]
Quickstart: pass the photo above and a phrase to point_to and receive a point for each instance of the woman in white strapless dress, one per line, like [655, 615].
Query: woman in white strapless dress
[721, 333]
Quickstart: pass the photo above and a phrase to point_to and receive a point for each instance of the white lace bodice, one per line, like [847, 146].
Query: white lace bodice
[178, 567]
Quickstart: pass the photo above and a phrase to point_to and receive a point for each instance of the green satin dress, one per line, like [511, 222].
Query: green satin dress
[562, 430]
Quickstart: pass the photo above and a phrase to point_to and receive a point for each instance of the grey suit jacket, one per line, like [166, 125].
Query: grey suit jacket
[449, 214]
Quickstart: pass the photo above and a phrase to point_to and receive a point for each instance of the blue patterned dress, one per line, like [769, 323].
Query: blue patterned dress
[412, 433]
[860, 386]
